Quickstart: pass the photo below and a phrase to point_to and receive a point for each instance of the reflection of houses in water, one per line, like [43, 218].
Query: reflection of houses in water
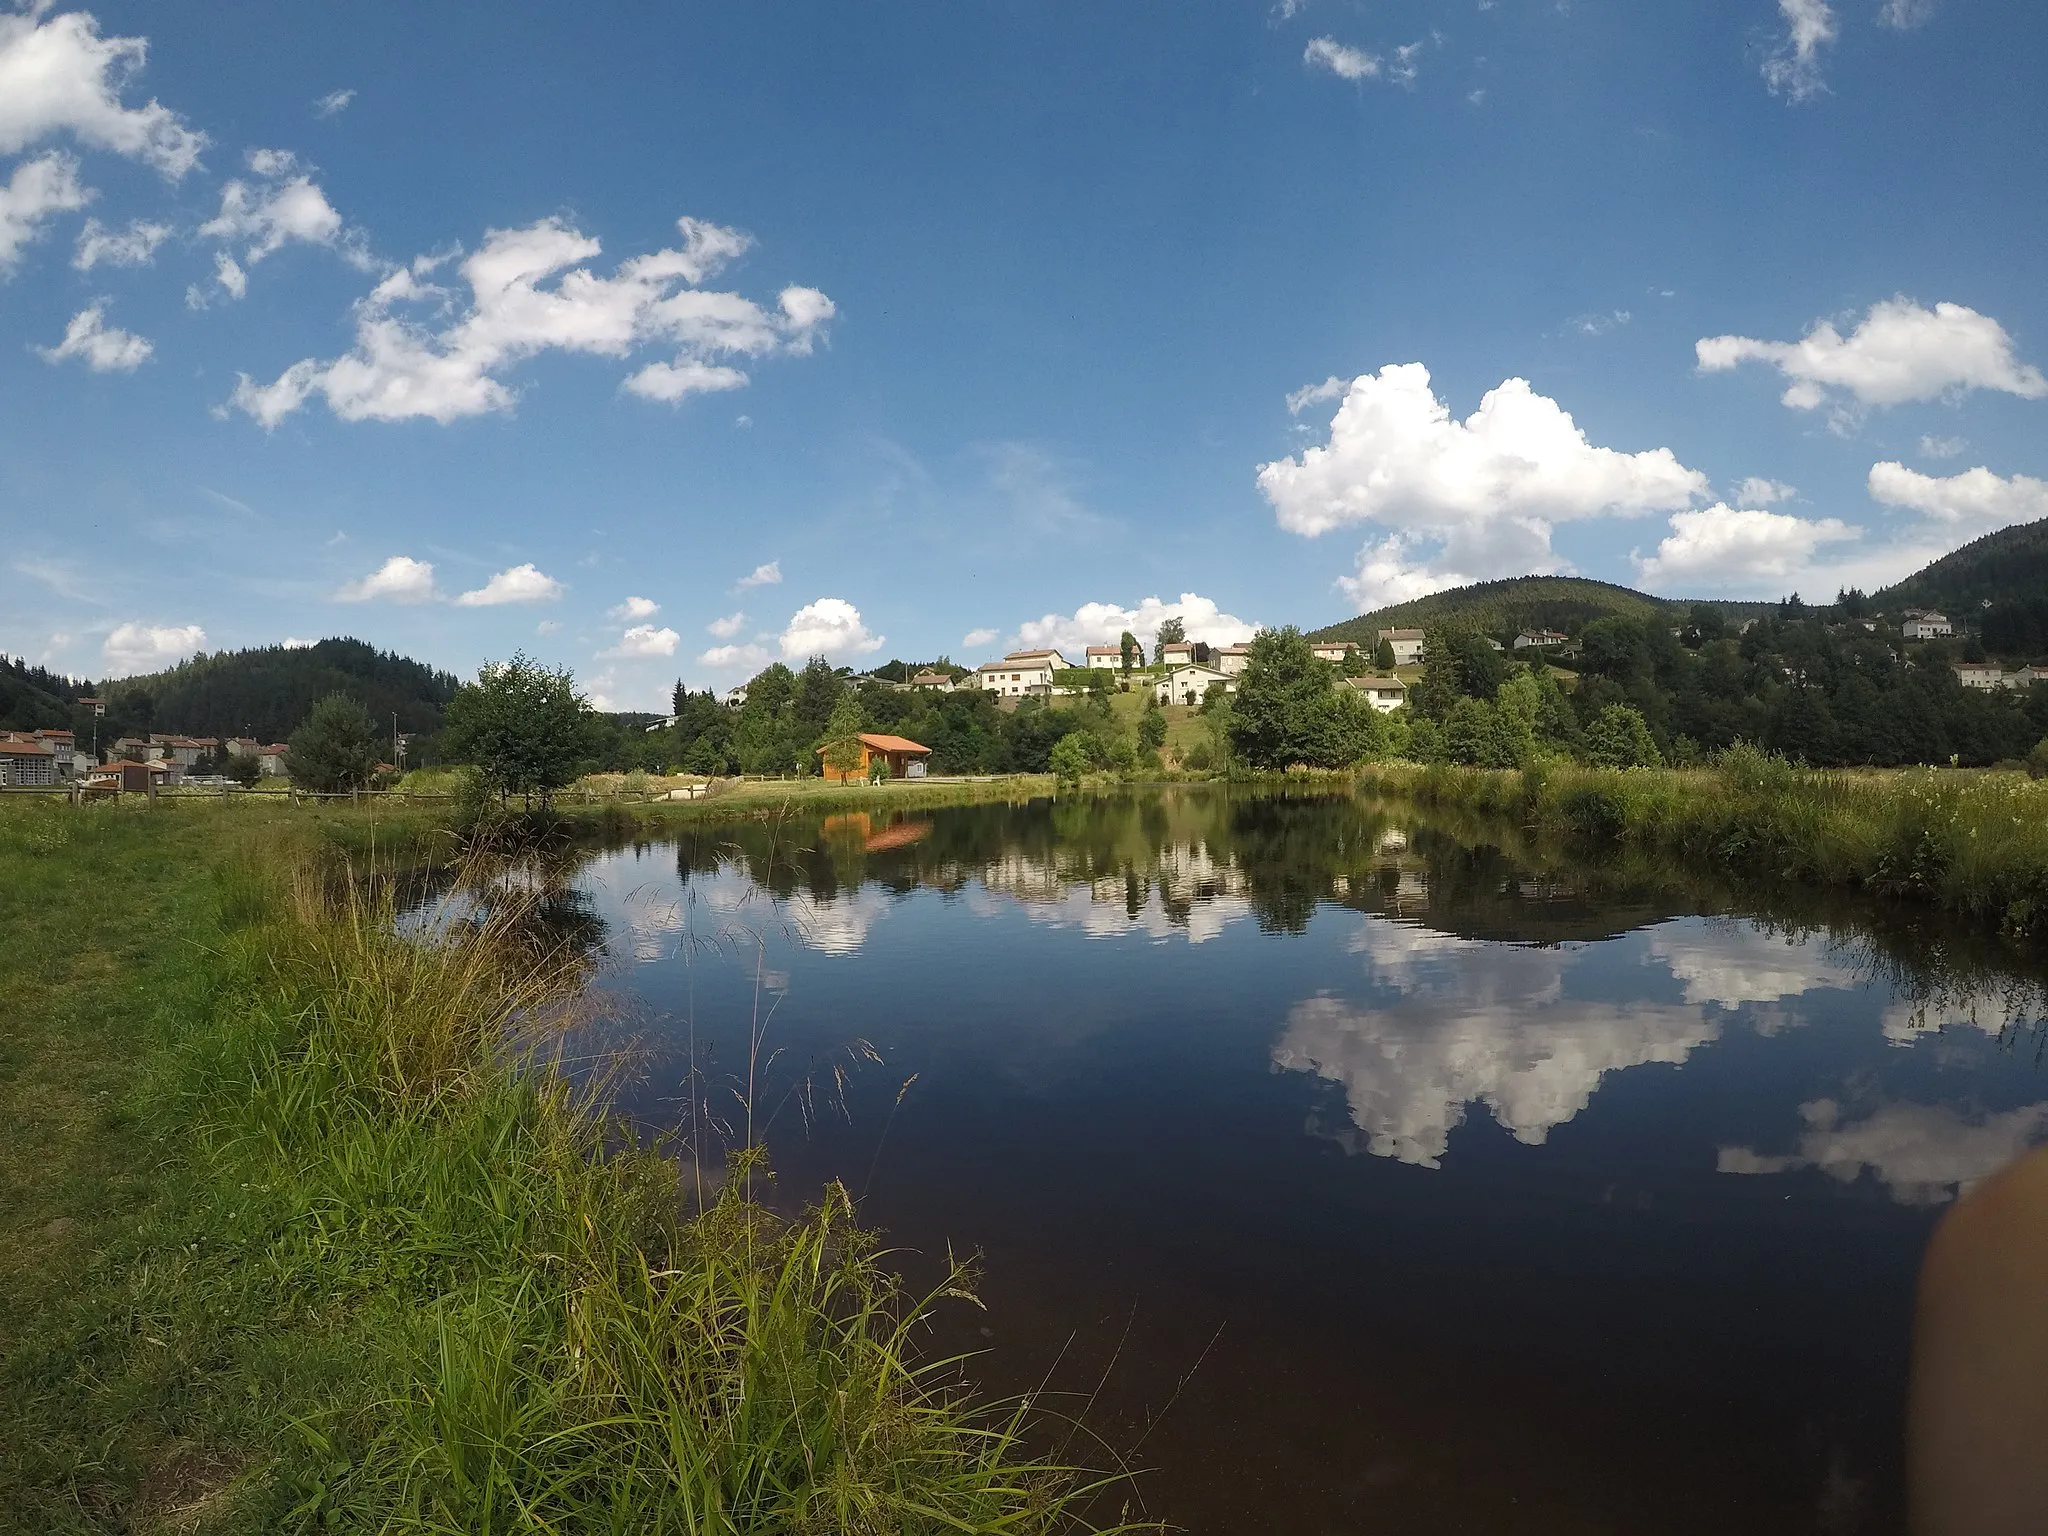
[1184, 889]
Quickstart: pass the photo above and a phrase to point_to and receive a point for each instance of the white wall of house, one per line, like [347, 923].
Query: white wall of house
[1186, 685]
[1407, 644]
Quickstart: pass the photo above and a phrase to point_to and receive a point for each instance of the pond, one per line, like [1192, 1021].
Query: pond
[1353, 1172]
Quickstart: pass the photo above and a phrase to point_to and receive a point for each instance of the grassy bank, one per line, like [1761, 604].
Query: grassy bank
[299, 1233]
[1969, 844]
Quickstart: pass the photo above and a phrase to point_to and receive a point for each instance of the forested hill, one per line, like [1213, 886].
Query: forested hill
[1498, 607]
[2000, 580]
[32, 699]
[267, 693]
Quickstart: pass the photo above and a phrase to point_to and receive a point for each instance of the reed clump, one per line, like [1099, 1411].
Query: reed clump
[1971, 844]
[515, 1320]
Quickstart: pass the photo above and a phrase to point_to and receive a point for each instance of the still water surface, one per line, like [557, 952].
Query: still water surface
[1362, 1175]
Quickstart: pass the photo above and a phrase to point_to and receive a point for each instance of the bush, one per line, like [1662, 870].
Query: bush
[2037, 760]
[1072, 756]
[1198, 758]
[335, 751]
[1619, 737]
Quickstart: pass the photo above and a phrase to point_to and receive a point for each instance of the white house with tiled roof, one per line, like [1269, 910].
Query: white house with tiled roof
[1021, 673]
[1407, 644]
[1187, 684]
[1230, 660]
[25, 761]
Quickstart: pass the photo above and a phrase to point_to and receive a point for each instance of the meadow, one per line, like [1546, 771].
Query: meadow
[300, 1229]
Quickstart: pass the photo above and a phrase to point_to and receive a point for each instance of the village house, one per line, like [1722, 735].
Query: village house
[1980, 674]
[1332, 650]
[1020, 673]
[125, 776]
[1535, 637]
[1109, 657]
[1385, 694]
[1180, 653]
[904, 756]
[2026, 677]
[1187, 684]
[183, 751]
[1924, 624]
[928, 681]
[1231, 660]
[1407, 644]
[64, 747]
[26, 762]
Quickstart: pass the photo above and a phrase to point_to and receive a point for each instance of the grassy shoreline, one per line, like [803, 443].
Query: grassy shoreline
[1971, 845]
[299, 1233]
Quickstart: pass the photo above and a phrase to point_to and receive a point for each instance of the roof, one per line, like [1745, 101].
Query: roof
[1193, 666]
[1239, 649]
[879, 743]
[1401, 634]
[49, 735]
[1028, 655]
[1105, 650]
[1378, 684]
[25, 746]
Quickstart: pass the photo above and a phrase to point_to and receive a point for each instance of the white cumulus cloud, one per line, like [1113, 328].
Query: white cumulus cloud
[1904, 15]
[672, 383]
[103, 348]
[1792, 70]
[38, 188]
[401, 578]
[1345, 62]
[831, 626]
[1900, 351]
[134, 246]
[58, 75]
[975, 639]
[1103, 623]
[645, 640]
[333, 103]
[723, 658]
[1724, 546]
[728, 626]
[530, 291]
[634, 608]
[282, 206]
[1756, 491]
[1460, 500]
[136, 647]
[1972, 503]
[520, 584]
[768, 575]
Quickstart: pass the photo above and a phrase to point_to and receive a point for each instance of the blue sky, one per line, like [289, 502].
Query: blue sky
[663, 341]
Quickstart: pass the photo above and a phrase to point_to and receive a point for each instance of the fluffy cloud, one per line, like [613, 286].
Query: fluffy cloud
[103, 348]
[1474, 1023]
[1730, 964]
[1973, 502]
[60, 76]
[520, 584]
[1102, 623]
[1922, 1153]
[1755, 491]
[1793, 69]
[728, 626]
[38, 188]
[283, 205]
[1726, 546]
[401, 578]
[1899, 352]
[1344, 62]
[672, 383]
[974, 639]
[831, 626]
[634, 608]
[645, 640]
[723, 658]
[333, 104]
[134, 647]
[768, 575]
[134, 246]
[1934, 447]
[1485, 491]
[1904, 15]
[529, 292]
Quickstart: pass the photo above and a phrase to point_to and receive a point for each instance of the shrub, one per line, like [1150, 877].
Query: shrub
[2037, 760]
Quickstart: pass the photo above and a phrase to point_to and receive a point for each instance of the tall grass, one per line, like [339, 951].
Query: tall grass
[1971, 844]
[544, 1331]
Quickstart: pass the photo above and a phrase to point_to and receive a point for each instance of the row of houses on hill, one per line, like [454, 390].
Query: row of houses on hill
[39, 759]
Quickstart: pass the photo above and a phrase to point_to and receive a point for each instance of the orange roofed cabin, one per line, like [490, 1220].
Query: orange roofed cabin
[904, 756]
